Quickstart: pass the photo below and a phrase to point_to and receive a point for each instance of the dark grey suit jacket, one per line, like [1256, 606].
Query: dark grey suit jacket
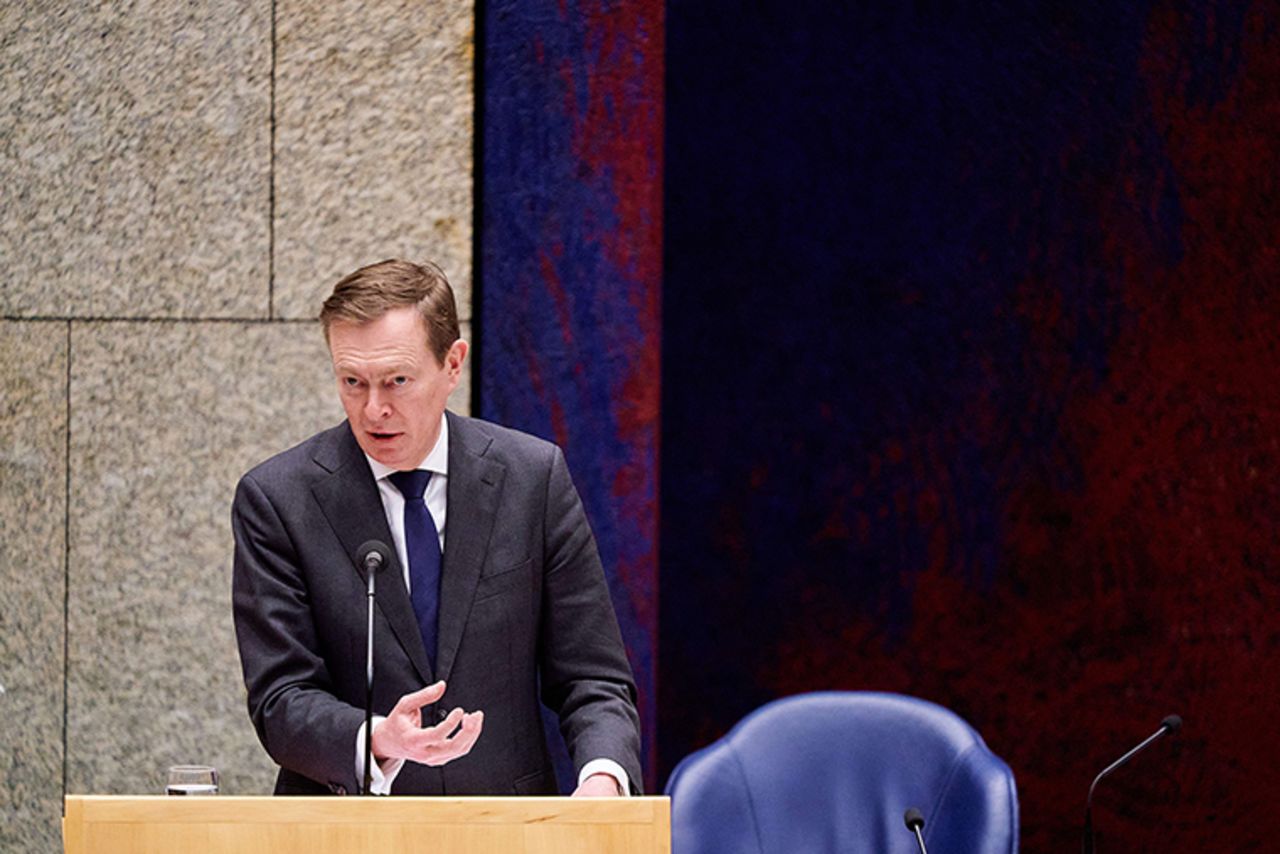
[524, 608]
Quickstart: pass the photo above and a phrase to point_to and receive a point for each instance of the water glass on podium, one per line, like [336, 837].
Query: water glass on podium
[192, 780]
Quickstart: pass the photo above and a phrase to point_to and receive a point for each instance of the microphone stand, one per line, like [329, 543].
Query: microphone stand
[1170, 724]
[371, 565]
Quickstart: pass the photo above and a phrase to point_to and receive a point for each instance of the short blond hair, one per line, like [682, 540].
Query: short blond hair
[372, 291]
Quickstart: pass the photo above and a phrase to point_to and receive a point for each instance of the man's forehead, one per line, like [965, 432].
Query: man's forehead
[377, 360]
[384, 357]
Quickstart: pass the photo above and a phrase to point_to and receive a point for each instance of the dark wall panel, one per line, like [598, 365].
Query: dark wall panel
[969, 388]
[570, 270]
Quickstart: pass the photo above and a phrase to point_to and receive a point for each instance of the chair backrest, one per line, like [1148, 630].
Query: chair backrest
[834, 772]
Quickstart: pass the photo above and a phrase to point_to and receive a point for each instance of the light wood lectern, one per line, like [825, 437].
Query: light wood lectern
[96, 824]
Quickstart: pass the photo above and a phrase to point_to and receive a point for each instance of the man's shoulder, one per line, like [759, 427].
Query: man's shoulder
[489, 439]
[314, 456]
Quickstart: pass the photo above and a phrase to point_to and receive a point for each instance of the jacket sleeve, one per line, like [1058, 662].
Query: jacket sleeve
[300, 722]
[586, 678]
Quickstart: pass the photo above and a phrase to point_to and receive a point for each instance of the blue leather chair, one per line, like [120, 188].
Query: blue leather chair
[834, 772]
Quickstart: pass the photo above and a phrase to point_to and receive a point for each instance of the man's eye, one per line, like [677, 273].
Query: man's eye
[400, 381]
[350, 382]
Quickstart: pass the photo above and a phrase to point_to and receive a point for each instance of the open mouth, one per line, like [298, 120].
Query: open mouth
[383, 437]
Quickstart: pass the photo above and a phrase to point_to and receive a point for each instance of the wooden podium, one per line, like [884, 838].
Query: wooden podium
[96, 824]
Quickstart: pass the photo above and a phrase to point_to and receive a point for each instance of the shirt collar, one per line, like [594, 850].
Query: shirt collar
[437, 461]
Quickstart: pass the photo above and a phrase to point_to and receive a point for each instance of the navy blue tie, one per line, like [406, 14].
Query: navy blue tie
[422, 543]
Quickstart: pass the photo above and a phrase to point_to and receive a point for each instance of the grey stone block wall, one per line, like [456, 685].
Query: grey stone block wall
[33, 480]
[180, 190]
[373, 142]
[135, 168]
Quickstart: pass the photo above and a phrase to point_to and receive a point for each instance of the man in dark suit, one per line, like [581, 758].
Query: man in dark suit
[496, 595]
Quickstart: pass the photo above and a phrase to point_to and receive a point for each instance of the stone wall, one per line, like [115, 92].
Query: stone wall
[181, 186]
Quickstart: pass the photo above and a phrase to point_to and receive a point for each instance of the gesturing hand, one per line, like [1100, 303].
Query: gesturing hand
[402, 736]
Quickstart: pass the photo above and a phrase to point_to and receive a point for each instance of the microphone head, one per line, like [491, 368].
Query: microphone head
[372, 555]
[1172, 723]
[913, 819]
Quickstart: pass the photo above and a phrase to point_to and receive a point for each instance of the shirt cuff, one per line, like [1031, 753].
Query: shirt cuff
[607, 766]
[383, 773]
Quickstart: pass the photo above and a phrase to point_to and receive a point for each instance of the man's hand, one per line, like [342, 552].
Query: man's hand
[402, 736]
[598, 786]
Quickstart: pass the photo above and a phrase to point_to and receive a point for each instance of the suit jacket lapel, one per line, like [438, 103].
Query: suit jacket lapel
[475, 486]
[350, 501]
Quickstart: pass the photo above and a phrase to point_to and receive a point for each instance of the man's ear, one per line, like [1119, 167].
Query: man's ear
[456, 356]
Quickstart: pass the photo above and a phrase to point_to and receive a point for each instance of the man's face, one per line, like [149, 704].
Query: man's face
[392, 387]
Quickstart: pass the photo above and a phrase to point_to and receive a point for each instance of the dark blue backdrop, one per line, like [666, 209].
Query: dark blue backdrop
[968, 353]
[569, 255]
[969, 356]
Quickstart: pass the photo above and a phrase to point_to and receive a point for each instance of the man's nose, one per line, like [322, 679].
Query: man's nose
[376, 406]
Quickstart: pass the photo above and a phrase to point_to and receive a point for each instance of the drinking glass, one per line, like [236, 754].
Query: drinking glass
[192, 780]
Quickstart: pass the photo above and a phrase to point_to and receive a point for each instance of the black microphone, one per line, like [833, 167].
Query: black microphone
[370, 557]
[915, 823]
[1171, 724]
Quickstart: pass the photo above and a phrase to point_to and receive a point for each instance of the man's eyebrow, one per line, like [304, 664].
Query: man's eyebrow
[392, 369]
